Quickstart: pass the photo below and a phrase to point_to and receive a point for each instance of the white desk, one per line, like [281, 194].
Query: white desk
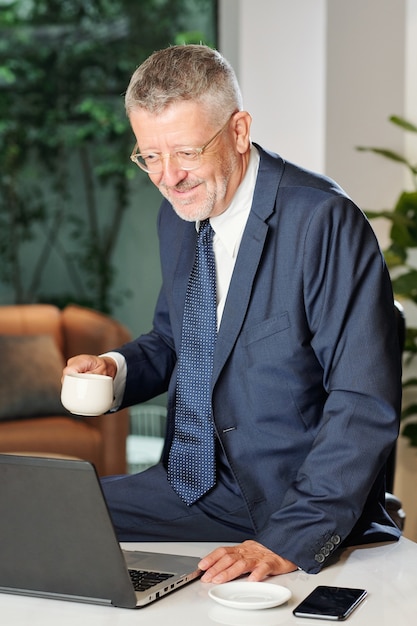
[388, 572]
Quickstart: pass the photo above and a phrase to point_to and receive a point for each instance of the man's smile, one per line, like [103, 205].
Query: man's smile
[183, 190]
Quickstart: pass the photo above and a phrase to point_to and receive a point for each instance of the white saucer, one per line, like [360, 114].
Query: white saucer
[247, 595]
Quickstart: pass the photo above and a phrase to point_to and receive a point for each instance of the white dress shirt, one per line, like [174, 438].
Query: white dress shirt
[228, 231]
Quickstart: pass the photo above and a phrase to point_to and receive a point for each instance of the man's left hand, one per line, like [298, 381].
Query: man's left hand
[227, 563]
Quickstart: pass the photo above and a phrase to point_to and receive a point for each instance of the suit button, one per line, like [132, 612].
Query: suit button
[325, 551]
[335, 540]
[329, 546]
[319, 558]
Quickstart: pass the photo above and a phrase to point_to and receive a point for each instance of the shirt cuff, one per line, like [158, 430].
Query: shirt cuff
[119, 382]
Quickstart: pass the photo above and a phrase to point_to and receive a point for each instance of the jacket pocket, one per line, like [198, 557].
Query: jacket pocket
[265, 329]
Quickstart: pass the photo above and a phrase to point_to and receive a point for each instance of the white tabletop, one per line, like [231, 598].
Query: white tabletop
[387, 571]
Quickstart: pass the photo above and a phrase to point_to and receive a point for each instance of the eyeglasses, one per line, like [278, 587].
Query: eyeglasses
[188, 159]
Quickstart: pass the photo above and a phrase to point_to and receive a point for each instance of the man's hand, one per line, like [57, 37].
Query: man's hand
[227, 563]
[87, 363]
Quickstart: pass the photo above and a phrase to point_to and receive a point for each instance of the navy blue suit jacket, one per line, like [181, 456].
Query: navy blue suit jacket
[306, 385]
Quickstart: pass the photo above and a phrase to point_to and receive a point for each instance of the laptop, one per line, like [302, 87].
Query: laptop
[57, 539]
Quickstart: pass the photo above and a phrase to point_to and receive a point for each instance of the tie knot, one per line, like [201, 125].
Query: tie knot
[205, 230]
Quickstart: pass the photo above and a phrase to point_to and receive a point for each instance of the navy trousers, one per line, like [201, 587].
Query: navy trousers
[144, 507]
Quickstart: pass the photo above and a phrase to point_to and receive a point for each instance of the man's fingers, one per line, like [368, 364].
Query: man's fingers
[228, 563]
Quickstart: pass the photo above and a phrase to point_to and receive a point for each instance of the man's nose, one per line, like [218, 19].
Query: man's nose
[172, 173]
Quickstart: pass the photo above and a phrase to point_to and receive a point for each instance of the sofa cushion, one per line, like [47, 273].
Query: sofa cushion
[30, 377]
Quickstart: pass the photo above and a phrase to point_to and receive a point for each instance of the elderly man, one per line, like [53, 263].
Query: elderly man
[273, 334]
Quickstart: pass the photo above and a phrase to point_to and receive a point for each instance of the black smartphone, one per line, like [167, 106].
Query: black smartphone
[333, 603]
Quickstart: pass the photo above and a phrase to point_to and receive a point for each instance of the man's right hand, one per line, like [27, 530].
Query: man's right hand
[88, 363]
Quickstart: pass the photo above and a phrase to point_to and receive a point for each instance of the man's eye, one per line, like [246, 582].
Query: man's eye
[150, 158]
[187, 155]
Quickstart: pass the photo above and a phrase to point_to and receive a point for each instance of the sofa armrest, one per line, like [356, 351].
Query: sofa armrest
[114, 428]
[87, 331]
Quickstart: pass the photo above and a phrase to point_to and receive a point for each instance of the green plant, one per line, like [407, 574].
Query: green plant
[65, 178]
[400, 261]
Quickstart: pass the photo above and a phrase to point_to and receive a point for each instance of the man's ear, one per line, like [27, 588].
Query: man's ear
[241, 127]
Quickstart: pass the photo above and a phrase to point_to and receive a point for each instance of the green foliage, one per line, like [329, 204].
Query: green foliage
[398, 255]
[64, 136]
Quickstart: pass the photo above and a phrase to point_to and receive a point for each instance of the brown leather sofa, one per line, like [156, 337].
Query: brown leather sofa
[43, 425]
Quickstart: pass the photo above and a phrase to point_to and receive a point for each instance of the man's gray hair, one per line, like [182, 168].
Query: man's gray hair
[187, 72]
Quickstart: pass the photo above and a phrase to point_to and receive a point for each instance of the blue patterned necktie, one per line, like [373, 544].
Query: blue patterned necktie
[191, 465]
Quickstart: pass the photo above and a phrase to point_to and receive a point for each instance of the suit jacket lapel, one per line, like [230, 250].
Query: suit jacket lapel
[250, 251]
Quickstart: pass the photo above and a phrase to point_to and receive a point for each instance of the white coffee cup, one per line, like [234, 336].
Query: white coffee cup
[87, 394]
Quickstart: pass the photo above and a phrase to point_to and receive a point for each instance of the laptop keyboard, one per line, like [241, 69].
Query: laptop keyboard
[143, 580]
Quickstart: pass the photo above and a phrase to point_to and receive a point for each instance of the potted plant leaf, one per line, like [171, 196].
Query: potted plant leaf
[402, 266]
